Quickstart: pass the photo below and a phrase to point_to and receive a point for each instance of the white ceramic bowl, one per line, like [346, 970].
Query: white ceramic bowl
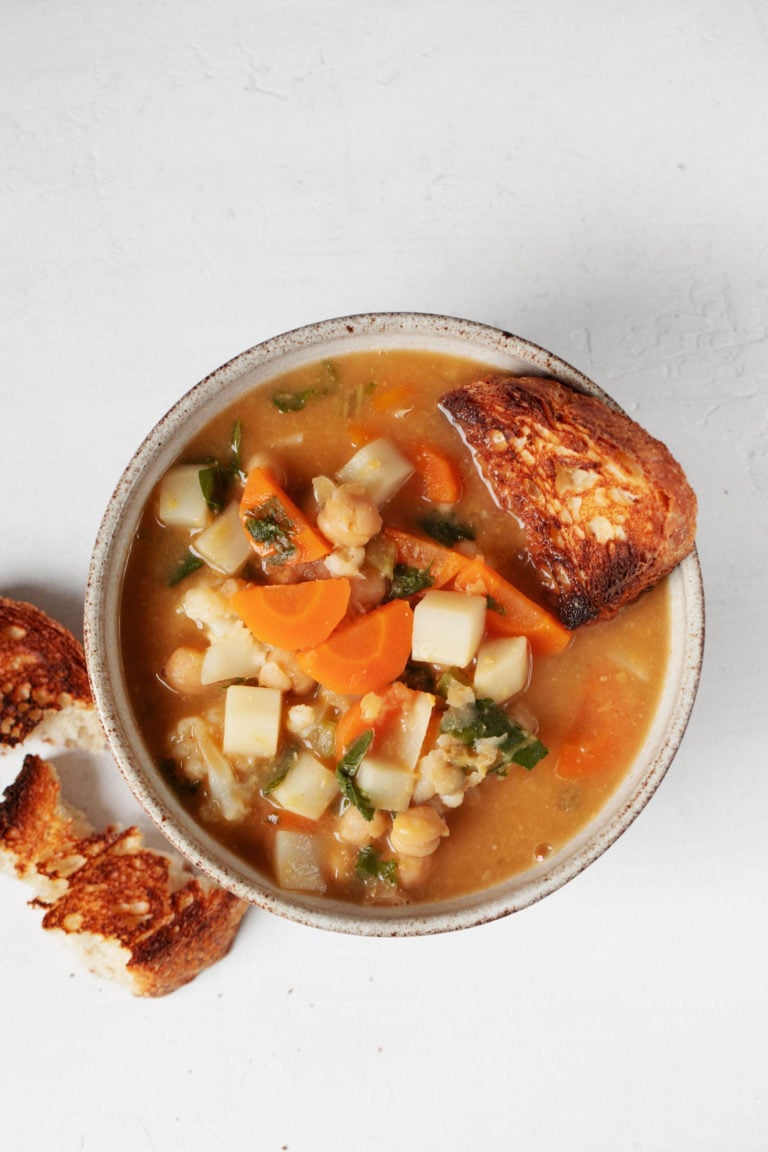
[102, 632]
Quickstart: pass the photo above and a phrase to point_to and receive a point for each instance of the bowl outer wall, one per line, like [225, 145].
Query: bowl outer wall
[489, 346]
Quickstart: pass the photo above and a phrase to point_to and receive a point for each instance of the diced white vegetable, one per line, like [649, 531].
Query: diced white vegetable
[222, 785]
[402, 742]
[387, 784]
[224, 545]
[251, 720]
[237, 655]
[297, 861]
[380, 468]
[448, 627]
[308, 788]
[503, 668]
[182, 503]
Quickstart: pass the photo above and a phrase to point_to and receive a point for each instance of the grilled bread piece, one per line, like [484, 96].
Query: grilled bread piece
[606, 509]
[44, 685]
[131, 913]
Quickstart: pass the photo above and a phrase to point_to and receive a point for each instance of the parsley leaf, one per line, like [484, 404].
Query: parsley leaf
[235, 457]
[212, 486]
[188, 564]
[284, 764]
[447, 530]
[407, 581]
[370, 863]
[346, 771]
[270, 525]
[474, 722]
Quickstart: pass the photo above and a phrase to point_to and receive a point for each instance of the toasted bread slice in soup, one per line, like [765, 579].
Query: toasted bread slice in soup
[44, 687]
[606, 509]
[131, 913]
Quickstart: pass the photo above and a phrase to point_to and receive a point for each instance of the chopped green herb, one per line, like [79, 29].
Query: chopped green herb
[330, 370]
[419, 677]
[483, 719]
[186, 566]
[407, 581]
[346, 771]
[453, 674]
[495, 606]
[235, 458]
[284, 763]
[446, 529]
[370, 863]
[292, 401]
[212, 486]
[269, 524]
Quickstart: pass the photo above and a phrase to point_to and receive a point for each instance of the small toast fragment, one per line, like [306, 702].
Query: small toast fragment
[606, 509]
[44, 686]
[131, 913]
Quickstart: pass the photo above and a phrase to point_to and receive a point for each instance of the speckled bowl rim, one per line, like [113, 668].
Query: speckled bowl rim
[102, 640]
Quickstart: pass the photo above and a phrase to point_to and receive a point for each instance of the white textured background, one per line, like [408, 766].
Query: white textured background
[179, 180]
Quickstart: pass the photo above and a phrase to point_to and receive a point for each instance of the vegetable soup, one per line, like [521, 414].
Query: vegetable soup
[342, 659]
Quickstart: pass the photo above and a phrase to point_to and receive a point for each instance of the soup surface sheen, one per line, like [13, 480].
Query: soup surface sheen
[467, 816]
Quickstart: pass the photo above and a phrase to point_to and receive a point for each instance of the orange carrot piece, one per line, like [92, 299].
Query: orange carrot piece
[293, 616]
[606, 713]
[396, 398]
[366, 655]
[358, 434]
[511, 613]
[276, 528]
[439, 476]
[442, 563]
[394, 700]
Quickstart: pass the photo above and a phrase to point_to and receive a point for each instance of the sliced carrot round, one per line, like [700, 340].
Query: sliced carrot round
[366, 655]
[293, 616]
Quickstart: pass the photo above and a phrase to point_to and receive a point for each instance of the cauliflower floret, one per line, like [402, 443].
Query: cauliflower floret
[233, 653]
[194, 748]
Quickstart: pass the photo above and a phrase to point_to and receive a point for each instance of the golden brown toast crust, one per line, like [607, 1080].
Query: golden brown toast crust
[606, 509]
[42, 669]
[136, 920]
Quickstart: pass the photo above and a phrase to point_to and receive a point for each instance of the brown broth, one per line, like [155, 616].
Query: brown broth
[505, 825]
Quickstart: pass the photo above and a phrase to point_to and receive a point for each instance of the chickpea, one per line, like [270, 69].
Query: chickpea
[412, 871]
[417, 831]
[183, 670]
[349, 517]
[353, 828]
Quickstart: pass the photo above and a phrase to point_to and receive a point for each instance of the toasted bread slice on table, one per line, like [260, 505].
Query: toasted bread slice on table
[44, 686]
[131, 913]
[606, 509]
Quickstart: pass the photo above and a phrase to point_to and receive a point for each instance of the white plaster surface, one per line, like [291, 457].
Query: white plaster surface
[179, 180]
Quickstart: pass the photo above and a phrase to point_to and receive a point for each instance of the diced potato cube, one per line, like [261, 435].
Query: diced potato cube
[380, 468]
[297, 861]
[224, 545]
[503, 668]
[402, 742]
[251, 720]
[182, 503]
[237, 655]
[387, 784]
[448, 627]
[308, 788]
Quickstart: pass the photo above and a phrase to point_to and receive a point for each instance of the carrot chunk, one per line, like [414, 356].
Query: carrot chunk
[443, 564]
[606, 713]
[511, 613]
[277, 530]
[293, 616]
[366, 655]
[439, 476]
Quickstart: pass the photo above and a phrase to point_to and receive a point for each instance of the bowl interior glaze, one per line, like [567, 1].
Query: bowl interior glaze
[258, 365]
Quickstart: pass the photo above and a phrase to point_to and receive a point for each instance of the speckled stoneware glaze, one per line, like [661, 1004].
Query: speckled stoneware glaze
[102, 635]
